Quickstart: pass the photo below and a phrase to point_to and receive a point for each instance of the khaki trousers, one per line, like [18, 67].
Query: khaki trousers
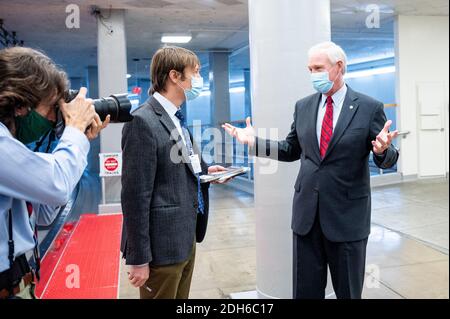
[169, 281]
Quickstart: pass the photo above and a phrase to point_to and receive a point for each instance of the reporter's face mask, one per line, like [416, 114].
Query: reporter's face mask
[32, 127]
[195, 90]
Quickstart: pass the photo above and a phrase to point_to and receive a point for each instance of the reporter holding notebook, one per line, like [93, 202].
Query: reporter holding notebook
[165, 207]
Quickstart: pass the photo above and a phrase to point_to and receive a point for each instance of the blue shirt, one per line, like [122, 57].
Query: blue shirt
[338, 101]
[45, 180]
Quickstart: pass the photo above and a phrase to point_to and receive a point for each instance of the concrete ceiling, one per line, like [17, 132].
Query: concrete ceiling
[214, 25]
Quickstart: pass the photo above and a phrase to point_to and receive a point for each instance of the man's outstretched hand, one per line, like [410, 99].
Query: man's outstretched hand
[384, 139]
[243, 135]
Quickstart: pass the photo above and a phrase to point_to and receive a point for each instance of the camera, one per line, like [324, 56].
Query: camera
[118, 106]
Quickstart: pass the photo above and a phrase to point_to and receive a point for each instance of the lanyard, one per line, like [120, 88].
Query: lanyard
[187, 138]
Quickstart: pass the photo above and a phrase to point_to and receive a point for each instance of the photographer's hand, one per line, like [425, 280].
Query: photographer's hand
[96, 126]
[80, 112]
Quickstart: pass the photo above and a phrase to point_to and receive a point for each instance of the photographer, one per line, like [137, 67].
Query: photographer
[33, 185]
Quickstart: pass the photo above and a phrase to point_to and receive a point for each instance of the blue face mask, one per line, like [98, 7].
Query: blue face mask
[194, 92]
[321, 82]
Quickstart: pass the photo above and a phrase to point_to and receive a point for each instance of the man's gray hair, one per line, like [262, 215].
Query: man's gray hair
[335, 53]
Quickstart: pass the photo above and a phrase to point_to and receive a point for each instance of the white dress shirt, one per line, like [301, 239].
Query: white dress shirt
[171, 109]
[338, 101]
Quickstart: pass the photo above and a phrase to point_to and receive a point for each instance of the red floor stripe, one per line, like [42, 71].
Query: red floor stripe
[51, 258]
[89, 266]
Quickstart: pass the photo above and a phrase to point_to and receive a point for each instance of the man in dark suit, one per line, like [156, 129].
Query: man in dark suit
[165, 207]
[333, 133]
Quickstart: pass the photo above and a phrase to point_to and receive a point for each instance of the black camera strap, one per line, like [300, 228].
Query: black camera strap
[18, 266]
[51, 139]
[37, 258]
[51, 134]
[10, 250]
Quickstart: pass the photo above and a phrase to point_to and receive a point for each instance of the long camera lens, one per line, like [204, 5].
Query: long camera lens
[118, 106]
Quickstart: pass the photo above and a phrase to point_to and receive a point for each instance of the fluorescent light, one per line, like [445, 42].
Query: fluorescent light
[128, 75]
[176, 38]
[369, 72]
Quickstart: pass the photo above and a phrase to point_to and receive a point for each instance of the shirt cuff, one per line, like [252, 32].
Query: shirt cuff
[138, 266]
[75, 136]
[381, 156]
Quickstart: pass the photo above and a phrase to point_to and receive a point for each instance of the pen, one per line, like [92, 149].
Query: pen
[148, 288]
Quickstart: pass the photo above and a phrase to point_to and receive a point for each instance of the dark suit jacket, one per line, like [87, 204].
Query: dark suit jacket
[337, 187]
[159, 191]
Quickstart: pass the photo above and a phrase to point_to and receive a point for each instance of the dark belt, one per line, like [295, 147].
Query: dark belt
[27, 280]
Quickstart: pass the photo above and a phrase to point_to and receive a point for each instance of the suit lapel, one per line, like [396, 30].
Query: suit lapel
[313, 125]
[348, 111]
[168, 124]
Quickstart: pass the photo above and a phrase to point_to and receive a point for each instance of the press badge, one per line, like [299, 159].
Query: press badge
[195, 162]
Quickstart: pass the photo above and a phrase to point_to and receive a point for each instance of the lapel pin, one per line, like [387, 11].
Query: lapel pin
[351, 107]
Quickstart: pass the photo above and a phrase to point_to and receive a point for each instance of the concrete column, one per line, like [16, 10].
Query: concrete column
[77, 82]
[112, 70]
[92, 81]
[92, 86]
[248, 100]
[219, 85]
[281, 32]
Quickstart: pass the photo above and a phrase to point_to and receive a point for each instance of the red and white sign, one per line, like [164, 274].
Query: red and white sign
[110, 164]
[137, 90]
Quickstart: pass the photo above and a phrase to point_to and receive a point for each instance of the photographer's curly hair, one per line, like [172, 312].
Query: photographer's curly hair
[27, 78]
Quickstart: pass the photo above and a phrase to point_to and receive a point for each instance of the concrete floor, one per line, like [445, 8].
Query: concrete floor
[407, 254]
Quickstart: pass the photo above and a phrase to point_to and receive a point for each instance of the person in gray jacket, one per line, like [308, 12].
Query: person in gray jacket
[165, 207]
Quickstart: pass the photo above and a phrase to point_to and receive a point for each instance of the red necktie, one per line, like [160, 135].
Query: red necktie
[327, 128]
